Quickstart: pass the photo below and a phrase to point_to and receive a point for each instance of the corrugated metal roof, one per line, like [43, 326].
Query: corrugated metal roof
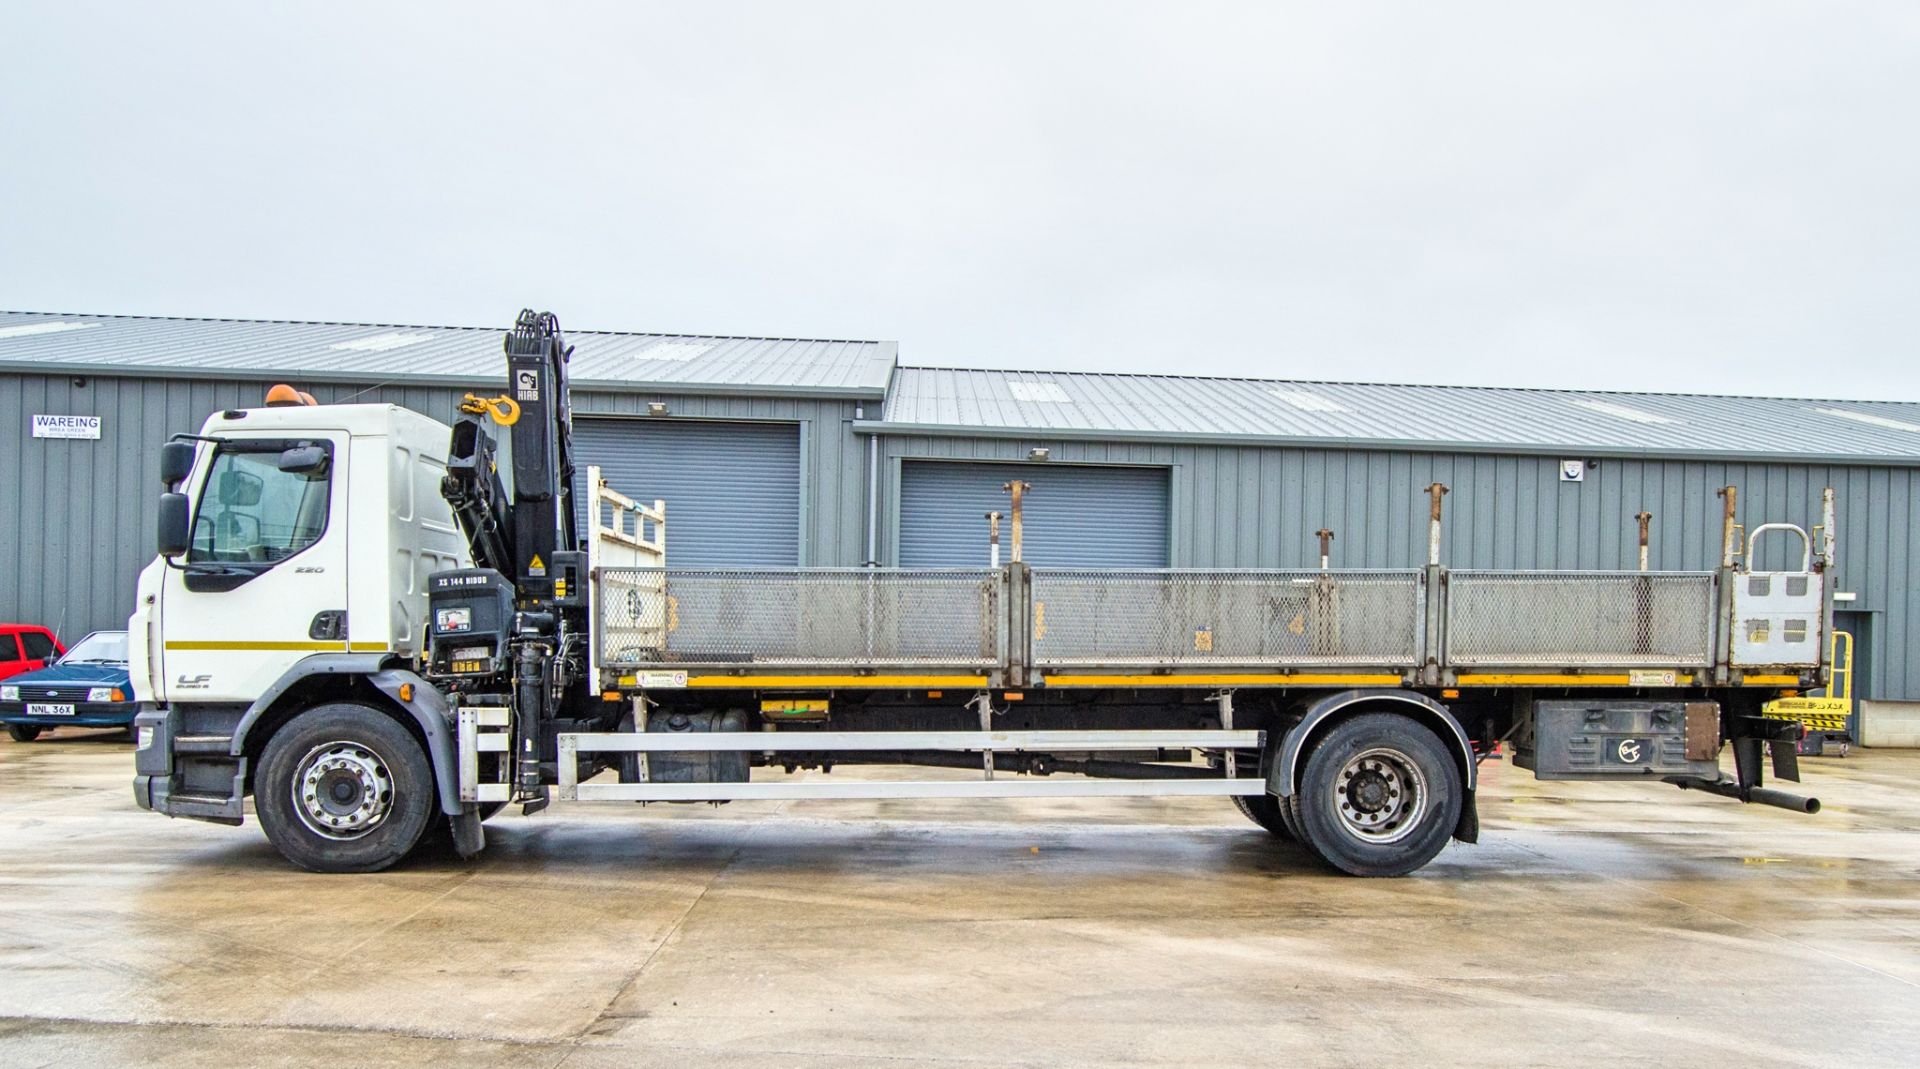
[366, 352]
[1087, 405]
[928, 400]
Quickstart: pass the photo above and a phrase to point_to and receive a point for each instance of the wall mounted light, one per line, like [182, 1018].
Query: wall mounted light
[656, 408]
[1038, 453]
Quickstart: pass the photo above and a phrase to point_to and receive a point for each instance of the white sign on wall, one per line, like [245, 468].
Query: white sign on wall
[66, 426]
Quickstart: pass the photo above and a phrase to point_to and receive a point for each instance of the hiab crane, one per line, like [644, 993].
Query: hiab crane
[377, 625]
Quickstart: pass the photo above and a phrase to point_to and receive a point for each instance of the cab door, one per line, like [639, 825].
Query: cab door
[264, 582]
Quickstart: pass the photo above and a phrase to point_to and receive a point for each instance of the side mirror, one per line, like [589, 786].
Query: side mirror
[176, 460]
[303, 460]
[238, 489]
[175, 534]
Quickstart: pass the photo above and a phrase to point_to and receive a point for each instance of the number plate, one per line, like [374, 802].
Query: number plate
[44, 709]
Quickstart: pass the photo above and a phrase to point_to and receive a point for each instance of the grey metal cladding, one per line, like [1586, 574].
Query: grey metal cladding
[367, 352]
[1249, 411]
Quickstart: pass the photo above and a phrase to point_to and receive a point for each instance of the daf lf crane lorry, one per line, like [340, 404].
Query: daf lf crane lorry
[381, 628]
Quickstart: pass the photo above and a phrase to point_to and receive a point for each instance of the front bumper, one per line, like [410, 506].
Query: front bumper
[184, 775]
[85, 715]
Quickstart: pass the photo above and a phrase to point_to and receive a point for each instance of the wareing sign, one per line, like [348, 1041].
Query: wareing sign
[66, 426]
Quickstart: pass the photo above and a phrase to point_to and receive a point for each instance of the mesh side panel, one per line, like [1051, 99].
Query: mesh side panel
[1226, 617]
[798, 617]
[1580, 618]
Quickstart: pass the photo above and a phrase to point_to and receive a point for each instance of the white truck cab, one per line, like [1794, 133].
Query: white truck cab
[331, 557]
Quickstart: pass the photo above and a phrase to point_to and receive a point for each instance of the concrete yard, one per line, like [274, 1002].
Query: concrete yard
[1610, 924]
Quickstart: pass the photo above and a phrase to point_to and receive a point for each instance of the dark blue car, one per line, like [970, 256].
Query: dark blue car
[87, 687]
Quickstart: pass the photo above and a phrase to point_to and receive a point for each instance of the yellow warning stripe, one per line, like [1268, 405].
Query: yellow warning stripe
[814, 682]
[225, 645]
[1596, 679]
[1278, 679]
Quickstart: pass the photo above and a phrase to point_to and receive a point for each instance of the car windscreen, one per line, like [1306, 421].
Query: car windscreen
[102, 646]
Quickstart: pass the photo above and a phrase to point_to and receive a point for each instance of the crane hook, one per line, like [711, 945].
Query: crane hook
[503, 409]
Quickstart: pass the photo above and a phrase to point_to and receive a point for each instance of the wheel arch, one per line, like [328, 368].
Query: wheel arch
[1320, 715]
[361, 678]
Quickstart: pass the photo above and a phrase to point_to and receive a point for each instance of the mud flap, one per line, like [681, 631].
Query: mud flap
[1468, 829]
[469, 838]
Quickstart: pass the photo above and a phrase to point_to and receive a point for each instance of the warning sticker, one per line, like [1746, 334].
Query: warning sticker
[536, 566]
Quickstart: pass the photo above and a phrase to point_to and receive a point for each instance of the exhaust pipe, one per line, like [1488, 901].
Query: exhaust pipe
[1727, 788]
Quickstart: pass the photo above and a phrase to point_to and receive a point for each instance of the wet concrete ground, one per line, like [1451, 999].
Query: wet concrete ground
[1617, 924]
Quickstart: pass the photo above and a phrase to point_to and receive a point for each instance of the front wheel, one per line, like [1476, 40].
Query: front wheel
[23, 732]
[344, 788]
[1379, 796]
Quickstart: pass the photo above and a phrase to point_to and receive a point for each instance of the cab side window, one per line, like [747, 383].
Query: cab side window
[251, 512]
[9, 650]
[38, 646]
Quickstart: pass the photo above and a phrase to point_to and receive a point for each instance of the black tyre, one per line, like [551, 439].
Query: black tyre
[23, 732]
[344, 788]
[1264, 810]
[1290, 816]
[1379, 795]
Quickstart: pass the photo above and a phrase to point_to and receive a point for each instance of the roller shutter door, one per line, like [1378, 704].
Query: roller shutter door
[732, 489]
[1075, 517]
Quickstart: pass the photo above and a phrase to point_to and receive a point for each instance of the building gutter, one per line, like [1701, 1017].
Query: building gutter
[403, 378]
[1401, 445]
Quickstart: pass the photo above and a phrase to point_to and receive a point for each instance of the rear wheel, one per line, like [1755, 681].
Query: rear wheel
[344, 788]
[1379, 796]
[23, 732]
[1266, 811]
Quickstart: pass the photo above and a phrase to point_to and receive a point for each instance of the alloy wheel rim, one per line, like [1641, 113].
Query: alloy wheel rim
[342, 790]
[1380, 795]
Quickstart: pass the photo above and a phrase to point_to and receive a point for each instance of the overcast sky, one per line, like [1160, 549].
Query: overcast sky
[1698, 196]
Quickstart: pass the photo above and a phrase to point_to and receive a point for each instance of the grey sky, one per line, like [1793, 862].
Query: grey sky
[1714, 197]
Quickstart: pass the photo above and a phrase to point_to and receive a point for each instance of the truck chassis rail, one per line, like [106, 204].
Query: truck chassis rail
[572, 745]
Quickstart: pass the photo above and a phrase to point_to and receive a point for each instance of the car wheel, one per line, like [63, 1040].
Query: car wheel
[23, 732]
[344, 788]
[1379, 796]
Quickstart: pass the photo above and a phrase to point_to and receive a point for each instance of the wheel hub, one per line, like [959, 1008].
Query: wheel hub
[1380, 795]
[342, 790]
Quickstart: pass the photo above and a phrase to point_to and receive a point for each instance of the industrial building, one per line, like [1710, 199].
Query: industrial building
[823, 453]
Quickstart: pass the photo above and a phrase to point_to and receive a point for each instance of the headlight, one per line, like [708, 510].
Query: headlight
[103, 694]
[9, 694]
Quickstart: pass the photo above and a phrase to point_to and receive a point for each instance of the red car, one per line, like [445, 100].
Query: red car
[26, 648]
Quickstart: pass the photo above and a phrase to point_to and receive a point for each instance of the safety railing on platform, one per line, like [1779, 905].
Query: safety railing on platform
[800, 617]
[1580, 618]
[1178, 618]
